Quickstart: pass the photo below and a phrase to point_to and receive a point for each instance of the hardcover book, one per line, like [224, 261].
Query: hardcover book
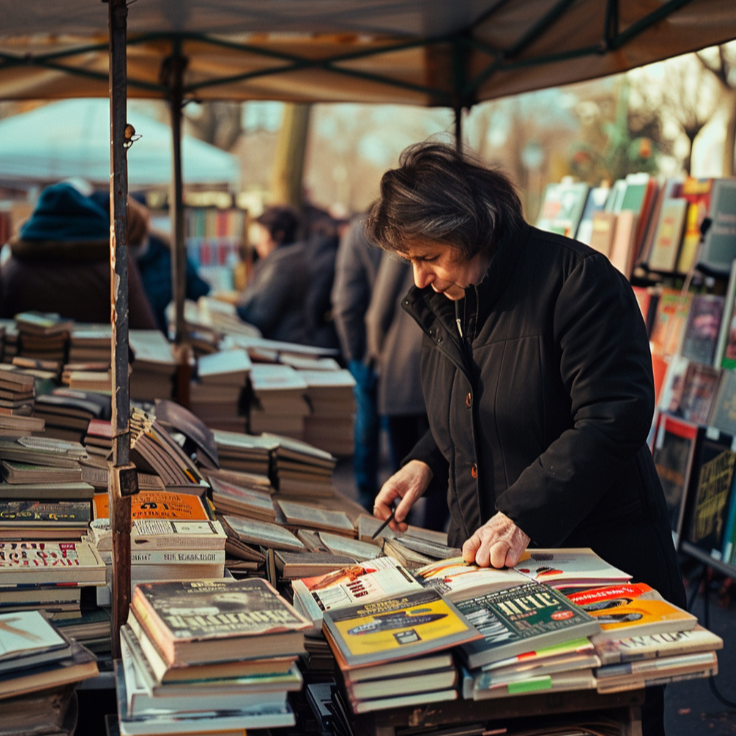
[218, 620]
[396, 628]
[521, 619]
[50, 563]
[668, 236]
[28, 640]
[263, 533]
[703, 327]
[156, 505]
[719, 244]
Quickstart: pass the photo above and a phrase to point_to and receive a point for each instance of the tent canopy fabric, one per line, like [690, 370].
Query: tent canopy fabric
[71, 138]
[425, 52]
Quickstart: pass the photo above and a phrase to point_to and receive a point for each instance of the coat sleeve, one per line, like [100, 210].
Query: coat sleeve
[384, 304]
[351, 293]
[606, 368]
[427, 451]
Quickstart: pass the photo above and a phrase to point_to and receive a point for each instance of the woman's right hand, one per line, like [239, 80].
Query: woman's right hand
[409, 484]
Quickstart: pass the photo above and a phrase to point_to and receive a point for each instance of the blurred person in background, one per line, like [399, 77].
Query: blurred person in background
[355, 272]
[60, 262]
[152, 253]
[395, 346]
[275, 298]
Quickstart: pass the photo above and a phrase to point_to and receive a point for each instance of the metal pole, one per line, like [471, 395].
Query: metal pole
[119, 503]
[173, 78]
[459, 129]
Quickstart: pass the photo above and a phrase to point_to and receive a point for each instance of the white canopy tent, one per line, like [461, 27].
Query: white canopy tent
[71, 138]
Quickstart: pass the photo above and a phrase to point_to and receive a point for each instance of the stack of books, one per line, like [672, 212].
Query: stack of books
[278, 404]
[58, 520]
[17, 395]
[48, 576]
[208, 656]
[98, 440]
[90, 343]
[154, 365]
[645, 640]
[39, 670]
[193, 548]
[11, 338]
[94, 377]
[67, 412]
[393, 652]
[245, 452]
[154, 451]
[43, 336]
[216, 396]
[330, 426]
[241, 500]
[164, 549]
[302, 469]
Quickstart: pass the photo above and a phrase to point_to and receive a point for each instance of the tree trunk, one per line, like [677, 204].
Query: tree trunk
[286, 182]
[730, 143]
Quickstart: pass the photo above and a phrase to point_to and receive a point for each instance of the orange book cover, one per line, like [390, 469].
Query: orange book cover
[156, 505]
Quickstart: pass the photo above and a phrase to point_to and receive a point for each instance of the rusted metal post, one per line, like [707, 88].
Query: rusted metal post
[173, 78]
[119, 503]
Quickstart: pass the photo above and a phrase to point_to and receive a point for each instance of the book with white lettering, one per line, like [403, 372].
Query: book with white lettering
[170, 534]
[50, 563]
[519, 620]
[218, 620]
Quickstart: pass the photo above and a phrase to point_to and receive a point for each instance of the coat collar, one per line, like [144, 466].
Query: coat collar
[427, 307]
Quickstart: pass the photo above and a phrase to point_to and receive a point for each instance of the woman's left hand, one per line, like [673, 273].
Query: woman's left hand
[498, 543]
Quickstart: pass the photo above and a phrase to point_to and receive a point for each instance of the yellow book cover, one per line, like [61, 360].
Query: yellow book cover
[641, 616]
[156, 505]
[398, 628]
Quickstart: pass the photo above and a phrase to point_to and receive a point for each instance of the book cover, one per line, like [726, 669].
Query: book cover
[715, 477]
[676, 444]
[252, 531]
[595, 203]
[27, 639]
[719, 244]
[729, 533]
[625, 615]
[362, 583]
[300, 514]
[50, 563]
[518, 620]
[723, 416]
[559, 567]
[171, 414]
[603, 231]
[622, 249]
[456, 579]
[613, 650]
[703, 327]
[397, 628]
[41, 514]
[697, 192]
[156, 505]
[699, 389]
[669, 322]
[215, 609]
[239, 497]
[668, 236]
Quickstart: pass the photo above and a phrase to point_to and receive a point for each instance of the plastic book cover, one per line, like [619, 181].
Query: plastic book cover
[397, 628]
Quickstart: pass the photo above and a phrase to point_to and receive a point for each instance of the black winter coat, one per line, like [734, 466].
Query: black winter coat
[542, 409]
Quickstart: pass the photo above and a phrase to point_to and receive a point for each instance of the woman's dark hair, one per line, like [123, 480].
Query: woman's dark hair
[281, 221]
[441, 194]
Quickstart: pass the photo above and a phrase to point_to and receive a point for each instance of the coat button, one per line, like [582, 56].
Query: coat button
[469, 400]
[474, 470]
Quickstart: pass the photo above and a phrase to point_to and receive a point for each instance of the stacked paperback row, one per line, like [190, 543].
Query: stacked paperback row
[208, 656]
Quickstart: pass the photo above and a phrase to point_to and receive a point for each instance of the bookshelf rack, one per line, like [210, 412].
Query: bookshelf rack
[724, 568]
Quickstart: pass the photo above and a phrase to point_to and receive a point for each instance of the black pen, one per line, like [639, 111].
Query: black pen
[385, 523]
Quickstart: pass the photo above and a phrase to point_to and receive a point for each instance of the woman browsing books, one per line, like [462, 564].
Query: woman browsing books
[536, 373]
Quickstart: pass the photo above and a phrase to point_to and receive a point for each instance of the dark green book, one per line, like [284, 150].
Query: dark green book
[52, 514]
[519, 620]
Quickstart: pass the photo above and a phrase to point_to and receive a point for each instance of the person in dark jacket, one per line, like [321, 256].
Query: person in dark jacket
[61, 262]
[274, 300]
[355, 273]
[537, 377]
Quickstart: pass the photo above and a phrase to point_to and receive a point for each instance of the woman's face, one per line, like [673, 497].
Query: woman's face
[262, 240]
[444, 268]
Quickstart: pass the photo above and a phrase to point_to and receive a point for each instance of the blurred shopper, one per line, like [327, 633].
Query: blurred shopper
[152, 253]
[61, 263]
[395, 346]
[355, 272]
[274, 300]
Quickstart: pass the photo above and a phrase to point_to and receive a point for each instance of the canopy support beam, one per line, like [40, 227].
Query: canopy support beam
[172, 76]
[119, 503]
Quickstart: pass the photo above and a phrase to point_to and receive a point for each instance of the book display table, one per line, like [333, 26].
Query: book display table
[539, 710]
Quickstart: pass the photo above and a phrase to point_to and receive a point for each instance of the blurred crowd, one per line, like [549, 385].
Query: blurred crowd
[315, 281]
